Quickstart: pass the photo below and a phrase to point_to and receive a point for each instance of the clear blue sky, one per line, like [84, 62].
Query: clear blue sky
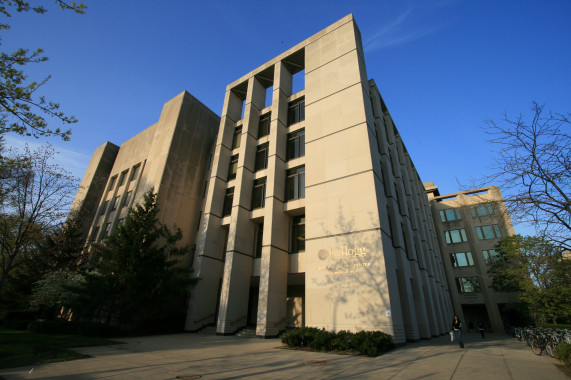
[442, 66]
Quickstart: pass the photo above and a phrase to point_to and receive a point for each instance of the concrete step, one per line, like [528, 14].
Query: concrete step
[248, 332]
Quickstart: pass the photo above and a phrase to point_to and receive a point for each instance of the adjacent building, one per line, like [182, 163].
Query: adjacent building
[469, 224]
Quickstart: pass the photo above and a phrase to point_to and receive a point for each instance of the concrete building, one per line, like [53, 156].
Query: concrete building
[170, 156]
[468, 225]
[314, 212]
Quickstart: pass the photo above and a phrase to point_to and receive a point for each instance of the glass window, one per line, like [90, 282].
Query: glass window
[450, 214]
[237, 138]
[298, 234]
[228, 198]
[295, 183]
[264, 126]
[455, 236]
[461, 259]
[115, 203]
[127, 198]
[488, 232]
[233, 168]
[296, 144]
[122, 178]
[259, 193]
[259, 240]
[490, 255]
[104, 207]
[95, 232]
[106, 230]
[261, 157]
[134, 172]
[112, 183]
[296, 111]
[468, 284]
[482, 209]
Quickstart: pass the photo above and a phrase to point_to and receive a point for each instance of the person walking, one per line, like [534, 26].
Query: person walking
[457, 328]
[481, 328]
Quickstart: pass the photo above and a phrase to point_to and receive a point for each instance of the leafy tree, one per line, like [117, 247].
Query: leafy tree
[536, 269]
[533, 169]
[137, 283]
[22, 110]
[35, 196]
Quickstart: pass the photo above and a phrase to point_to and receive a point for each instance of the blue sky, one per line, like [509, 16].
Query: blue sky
[442, 66]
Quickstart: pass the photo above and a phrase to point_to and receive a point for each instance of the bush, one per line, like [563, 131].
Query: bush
[73, 328]
[558, 326]
[368, 343]
[17, 319]
[563, 353]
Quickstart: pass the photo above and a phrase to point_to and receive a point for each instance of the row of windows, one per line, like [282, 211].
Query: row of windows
[464, 259]
[468, 284]
[451, 214]
[294, 189]
[295, 148]
[115, 203]
[483, 232]
[106, 229]
[296, 113]
[297, 238]
[132, 177]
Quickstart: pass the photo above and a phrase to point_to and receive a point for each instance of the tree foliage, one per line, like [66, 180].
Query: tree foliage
[35, 195]
[135, 281]
[533, 169]
[537, 269]
[22, 109]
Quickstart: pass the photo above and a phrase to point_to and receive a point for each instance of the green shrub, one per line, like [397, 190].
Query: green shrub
[559, 326]
[17, 319]
[369, 343]
[563, 353]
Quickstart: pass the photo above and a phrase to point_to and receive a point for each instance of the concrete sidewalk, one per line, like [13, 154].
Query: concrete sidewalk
[194, 356]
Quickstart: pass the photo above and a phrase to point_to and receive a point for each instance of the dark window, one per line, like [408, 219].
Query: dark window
[296, 111]
[490, 255]
[112, 183]
[228, 198]
[296, 144]
[468, 284]
[237, 138]
[298, 234]
[264, 126]
[106, 230]
[259, 193]
[95, 232]
[104, 207]
[259, 240]
[233, 168]
[295, 183]
[115, 203]
[134, 172]
[127, 198]
[261, 157]
[120, 222]
[122, 178]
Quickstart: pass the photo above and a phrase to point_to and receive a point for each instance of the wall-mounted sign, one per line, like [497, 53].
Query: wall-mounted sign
[343, 252]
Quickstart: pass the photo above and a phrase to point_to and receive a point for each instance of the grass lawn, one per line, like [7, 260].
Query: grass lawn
[21, 348]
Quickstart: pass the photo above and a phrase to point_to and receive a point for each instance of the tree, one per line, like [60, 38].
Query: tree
[21, 108]
[537, 269]
[533, 169]
[136, 282]
[35, 196]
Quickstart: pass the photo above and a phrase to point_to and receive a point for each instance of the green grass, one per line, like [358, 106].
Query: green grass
[22, 348]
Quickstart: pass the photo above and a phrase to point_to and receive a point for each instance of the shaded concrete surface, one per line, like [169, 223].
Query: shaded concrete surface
[194, 356]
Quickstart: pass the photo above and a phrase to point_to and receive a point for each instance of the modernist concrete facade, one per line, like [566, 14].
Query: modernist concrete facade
[314, 212]
[469, 224]
[170, 156]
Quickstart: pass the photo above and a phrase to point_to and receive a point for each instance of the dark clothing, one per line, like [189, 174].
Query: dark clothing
[481, 329]
[457, 328]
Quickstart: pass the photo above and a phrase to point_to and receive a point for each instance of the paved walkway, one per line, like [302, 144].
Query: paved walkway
[194, 356]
